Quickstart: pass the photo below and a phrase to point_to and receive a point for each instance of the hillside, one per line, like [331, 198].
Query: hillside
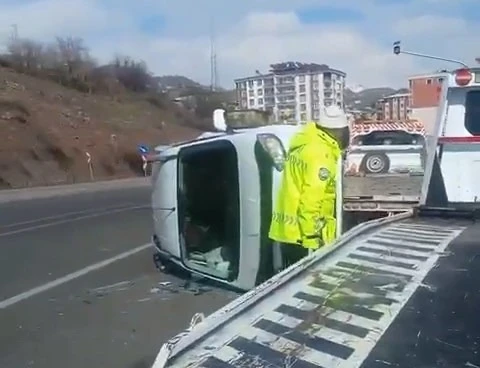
[47, 130]
[368, 97]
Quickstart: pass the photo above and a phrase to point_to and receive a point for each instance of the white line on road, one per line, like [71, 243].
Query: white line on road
[59, 222]
[63, 215]
[71, 276]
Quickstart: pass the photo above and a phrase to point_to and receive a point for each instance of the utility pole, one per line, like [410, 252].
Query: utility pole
[14, 35]
[213, 59]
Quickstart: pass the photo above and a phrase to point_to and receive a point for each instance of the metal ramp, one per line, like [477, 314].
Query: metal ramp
[333, 313]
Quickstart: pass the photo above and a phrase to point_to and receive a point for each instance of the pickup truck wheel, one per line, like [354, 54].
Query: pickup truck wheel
[375, 163]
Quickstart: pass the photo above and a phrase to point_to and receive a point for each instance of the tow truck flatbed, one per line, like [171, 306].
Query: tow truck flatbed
[381, 192]
[363, 303]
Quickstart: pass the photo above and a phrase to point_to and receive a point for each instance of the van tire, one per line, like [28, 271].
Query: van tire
[375, 163]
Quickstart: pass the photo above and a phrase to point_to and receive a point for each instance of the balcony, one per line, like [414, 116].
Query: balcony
[285, 81]
[285, 91]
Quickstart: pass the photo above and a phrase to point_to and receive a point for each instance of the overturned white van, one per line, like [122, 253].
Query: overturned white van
[212, 202]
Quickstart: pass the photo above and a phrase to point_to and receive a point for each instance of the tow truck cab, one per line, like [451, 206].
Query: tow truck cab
[456, 142]
[212, 203]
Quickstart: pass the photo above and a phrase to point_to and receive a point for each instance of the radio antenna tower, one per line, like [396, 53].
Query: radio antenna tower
[14, 34]
[213, 59]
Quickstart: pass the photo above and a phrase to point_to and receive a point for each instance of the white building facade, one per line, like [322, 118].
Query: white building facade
[293, 91]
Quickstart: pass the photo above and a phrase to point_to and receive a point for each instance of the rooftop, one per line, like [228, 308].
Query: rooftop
[294, 67]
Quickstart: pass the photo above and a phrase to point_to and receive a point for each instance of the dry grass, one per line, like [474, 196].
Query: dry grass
[47, 129]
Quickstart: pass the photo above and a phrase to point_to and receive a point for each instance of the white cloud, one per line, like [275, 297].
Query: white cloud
[250, 35]
[429, 25]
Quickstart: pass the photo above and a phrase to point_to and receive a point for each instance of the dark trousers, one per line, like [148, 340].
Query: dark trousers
[292, 253]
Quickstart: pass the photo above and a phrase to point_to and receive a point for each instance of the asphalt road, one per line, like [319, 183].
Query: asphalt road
[61, 307]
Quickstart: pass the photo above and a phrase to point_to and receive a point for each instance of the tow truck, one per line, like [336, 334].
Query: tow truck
[400, 291]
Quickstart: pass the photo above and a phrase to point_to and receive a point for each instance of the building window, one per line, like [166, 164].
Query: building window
[260, 101]
[315, 86]
[429, 81]
[303, 117]
[302, 88]
[315, 77]
[251, 102]
[303, 98]
[315, 105]
[250, 83]
[301, 79]
[303, 107]
[316, 113]
[440, 80]
[260, 92]
[259, 82]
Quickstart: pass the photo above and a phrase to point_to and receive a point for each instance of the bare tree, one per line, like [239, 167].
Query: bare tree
[134, 75]
[26, 54]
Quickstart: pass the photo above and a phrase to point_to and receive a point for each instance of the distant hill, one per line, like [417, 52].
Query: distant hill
[368, 97]
[177, 82]
[356, 97]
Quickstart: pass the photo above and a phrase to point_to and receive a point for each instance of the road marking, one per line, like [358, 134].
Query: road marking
[53, 223]
[62, 215]
[71, 276]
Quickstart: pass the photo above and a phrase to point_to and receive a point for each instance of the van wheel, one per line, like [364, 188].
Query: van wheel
[375, 163]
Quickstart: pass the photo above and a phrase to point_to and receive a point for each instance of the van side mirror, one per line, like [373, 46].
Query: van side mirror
[273, 146]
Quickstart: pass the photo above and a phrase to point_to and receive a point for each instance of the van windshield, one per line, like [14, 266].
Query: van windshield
[209, 210]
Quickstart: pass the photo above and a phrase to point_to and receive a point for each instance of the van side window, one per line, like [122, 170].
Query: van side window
[472, 112]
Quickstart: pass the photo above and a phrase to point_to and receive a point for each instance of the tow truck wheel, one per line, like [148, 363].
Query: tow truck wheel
[375, 163]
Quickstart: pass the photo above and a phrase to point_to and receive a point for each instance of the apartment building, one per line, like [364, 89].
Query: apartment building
[292, 91]
[394, 107]
[425, 93]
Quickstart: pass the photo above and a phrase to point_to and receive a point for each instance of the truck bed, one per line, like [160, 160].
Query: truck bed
[351, 305]
[389, 192]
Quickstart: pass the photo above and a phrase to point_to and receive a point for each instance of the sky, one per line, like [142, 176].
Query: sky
[173, 36]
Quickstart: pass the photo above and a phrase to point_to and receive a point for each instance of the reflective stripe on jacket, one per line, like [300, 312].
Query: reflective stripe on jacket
[305, 207]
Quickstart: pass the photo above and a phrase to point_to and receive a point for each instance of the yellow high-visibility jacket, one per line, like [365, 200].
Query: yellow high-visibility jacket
[304, 212]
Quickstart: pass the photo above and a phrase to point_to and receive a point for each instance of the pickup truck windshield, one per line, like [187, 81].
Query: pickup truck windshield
[394, 137]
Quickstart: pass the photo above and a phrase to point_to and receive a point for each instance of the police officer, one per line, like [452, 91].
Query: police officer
[304, 214]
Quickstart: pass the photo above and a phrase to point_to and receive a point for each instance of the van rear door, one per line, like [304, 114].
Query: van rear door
[164, 203]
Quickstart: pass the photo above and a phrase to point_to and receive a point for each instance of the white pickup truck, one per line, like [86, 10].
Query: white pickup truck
[384, 168]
